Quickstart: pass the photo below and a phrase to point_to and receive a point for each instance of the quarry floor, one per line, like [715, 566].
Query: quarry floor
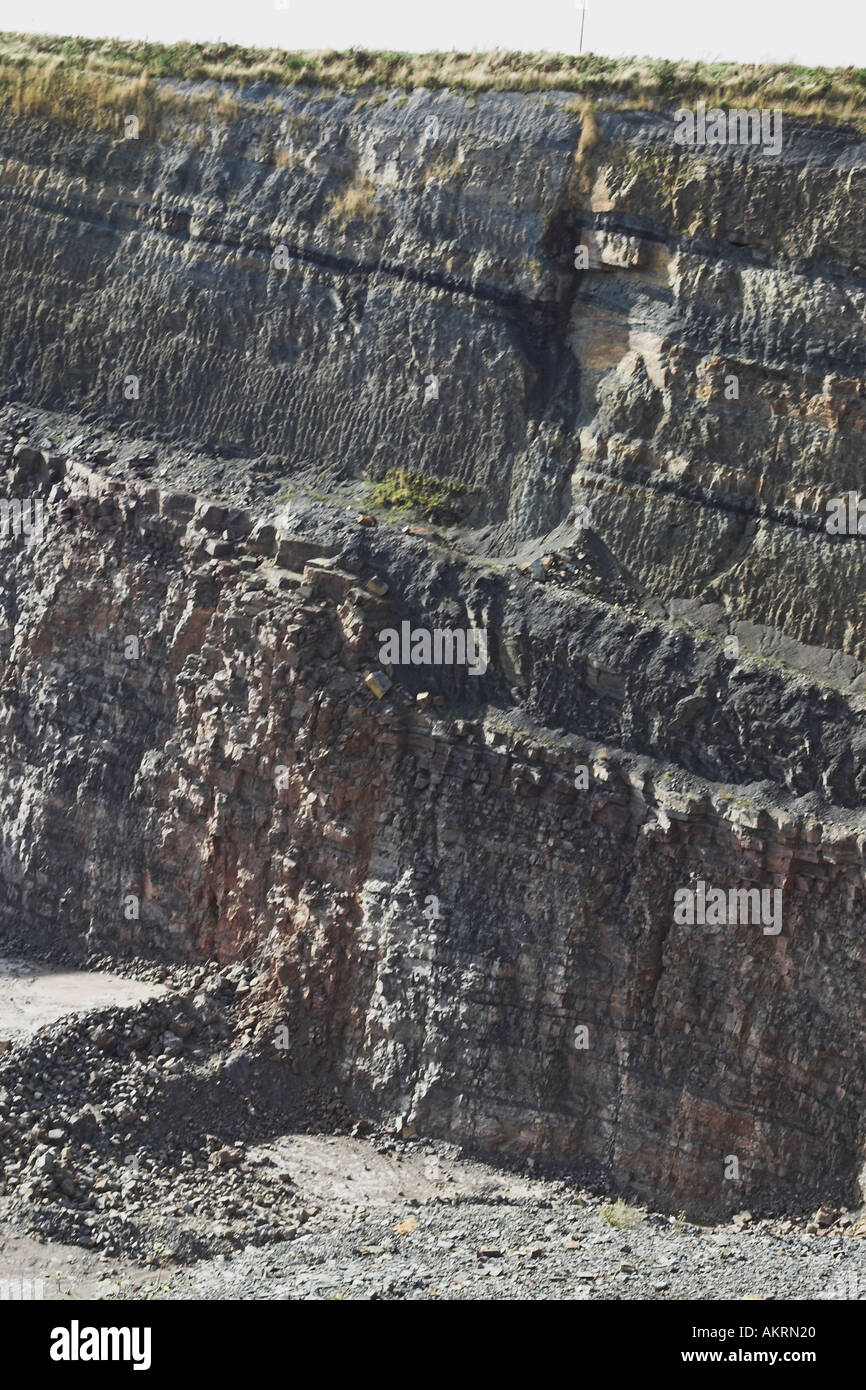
[313, 1214]
[492, 1238]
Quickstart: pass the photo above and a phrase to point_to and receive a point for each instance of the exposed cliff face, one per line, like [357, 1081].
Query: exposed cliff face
[440, 905]
[441, 898]
[403, 277]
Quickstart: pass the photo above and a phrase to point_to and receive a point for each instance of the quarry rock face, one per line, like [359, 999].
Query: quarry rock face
[496, 904]
[468, 927]
[404, 276]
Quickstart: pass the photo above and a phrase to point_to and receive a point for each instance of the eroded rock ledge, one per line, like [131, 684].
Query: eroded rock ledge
[437, 899]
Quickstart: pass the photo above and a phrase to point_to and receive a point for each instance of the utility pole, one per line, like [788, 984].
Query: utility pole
[581, 5]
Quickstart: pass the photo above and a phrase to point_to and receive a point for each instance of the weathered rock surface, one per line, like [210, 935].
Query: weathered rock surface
[350, 286]
[440, 904]
[202, 753]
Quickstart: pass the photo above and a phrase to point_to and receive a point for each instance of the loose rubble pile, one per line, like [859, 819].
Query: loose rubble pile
[576, 568]
[128, 1130]
[153, 1134]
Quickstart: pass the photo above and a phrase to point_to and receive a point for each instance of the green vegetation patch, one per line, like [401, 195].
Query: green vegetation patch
[832, 92]
[439, 500]
[621, 1216]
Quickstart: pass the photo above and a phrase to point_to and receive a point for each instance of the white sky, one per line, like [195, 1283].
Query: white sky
[823, 32]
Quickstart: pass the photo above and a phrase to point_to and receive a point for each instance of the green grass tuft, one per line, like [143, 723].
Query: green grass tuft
[621, 1216]
[438, 500]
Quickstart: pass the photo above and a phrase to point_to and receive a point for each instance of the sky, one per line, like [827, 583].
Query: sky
[831, 33]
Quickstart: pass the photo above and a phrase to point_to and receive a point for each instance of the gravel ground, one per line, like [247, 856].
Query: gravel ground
[543, 1247]
[520, 1239]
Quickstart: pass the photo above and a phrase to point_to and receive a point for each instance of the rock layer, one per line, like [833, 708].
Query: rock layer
[351, 285]
[441, 905]
[463, 904]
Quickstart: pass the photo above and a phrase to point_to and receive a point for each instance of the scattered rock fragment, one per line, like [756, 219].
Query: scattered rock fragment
[378, 682]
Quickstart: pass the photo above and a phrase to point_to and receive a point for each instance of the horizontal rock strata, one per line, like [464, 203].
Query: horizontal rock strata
[443, 903]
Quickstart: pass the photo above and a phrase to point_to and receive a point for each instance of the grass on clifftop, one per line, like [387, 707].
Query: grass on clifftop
[77, 78]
